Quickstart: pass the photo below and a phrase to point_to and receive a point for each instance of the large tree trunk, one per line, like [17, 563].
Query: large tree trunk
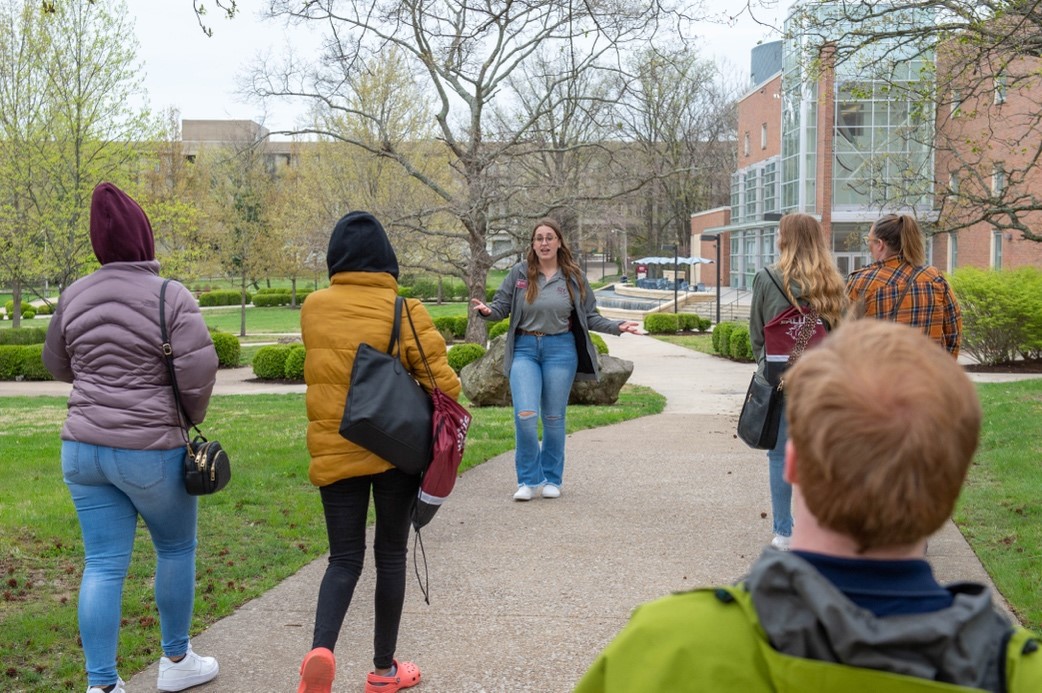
[477, 276]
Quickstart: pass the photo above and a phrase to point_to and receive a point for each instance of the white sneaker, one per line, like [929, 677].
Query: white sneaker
[525, 493]
[551, 491]
[781, 543]
[190, 671]
[101, 689]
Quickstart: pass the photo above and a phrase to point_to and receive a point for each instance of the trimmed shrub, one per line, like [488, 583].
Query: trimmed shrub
[599, 343]
[31, 366]
[688, 322]
[9, 307]
[269, 300]
[45, 309]
[459, 327]
[722, 337]
[704, 324]
[23, 361]
[23, 335]
[661, 323]
[223, 297]
[740, 345]
[462, 354]
[28, 313]
[295, 362]
[446, 324]
[498, 328]
[228, 348]
[489, 295]
[406, 292]
[269, 363]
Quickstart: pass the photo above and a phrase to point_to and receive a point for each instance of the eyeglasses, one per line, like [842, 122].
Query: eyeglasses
[868, 240]
[539, 240]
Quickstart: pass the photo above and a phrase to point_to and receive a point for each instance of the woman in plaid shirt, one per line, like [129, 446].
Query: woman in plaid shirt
[901, 287]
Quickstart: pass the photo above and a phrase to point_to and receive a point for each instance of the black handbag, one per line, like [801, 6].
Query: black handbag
[760, 419]
[387, 412]
[207, 468]
[761, 414]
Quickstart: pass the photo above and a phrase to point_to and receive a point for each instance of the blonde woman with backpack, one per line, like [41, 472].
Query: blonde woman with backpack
[806, 276]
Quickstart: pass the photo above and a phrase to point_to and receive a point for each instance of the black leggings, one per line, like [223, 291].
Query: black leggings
[346, 505]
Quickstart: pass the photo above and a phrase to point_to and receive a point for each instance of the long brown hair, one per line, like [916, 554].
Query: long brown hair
[805, 260]
[567, 264]
[902, 235]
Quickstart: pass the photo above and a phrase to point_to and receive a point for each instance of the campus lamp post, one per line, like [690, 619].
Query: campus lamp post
[676, 271]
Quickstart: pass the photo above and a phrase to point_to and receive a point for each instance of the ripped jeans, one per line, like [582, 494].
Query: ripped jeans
[541, 376]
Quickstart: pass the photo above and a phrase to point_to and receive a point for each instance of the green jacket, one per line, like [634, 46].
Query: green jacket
[713, 640]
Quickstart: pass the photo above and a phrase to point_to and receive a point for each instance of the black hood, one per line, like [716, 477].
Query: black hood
[360, 244]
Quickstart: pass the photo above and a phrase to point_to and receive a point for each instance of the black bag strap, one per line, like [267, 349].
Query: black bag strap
[396, 326]
[904, 292]
[416, 338]
[168, 353]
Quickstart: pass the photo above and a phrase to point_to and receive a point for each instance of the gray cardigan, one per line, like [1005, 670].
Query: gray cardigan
[510, 300]
[104, 338]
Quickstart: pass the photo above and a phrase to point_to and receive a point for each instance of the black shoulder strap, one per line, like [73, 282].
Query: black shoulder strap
[168, 354]
[783, 292]
[904, 292]
[396, 326]
[423, 356]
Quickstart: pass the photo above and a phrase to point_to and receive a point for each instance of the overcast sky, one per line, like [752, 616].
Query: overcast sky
[197, 74]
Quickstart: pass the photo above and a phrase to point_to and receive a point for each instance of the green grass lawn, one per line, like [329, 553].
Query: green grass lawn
[264, 527]
[264, 322]
[697, 341]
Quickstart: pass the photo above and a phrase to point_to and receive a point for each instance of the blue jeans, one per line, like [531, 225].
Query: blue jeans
[781, 490]
[110, 487]
[541, 376]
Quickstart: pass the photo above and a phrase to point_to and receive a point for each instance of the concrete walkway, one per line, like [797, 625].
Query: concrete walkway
[525, 595]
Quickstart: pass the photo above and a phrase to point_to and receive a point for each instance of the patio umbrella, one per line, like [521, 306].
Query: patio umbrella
[656, 260]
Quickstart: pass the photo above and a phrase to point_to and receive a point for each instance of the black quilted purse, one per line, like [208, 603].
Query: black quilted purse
[207, 468]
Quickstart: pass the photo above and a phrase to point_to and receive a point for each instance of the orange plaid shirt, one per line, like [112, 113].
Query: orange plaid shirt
[929, 303]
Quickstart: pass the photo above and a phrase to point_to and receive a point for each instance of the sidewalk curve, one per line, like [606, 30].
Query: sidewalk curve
[524, 595]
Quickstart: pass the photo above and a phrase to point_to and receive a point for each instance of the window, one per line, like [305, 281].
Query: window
[763, 136]
[996, 249]
[953, 251]
[1000, 89]
[956, 100]
[953, 183]
[770, 187]
[998, 180]
[745, 145]
[750, 194]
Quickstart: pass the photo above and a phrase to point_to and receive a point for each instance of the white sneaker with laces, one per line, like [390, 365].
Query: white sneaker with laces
[551, 491]
[781, 543]
[190, 671]
[525, 493]
[101, 689]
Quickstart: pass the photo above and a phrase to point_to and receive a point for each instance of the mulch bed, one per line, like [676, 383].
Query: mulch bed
[1019, 366]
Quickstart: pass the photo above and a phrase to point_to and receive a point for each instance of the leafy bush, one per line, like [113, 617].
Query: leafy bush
[489, 295]
[722, 337]
[271, 299]
[446, 324]
[228, 348]
[661, 323]
[741, 347]
[45, 309]
[459, 327]
[498, 328]
[23, 335]
[462, 354]
[32, 367]
[295, 362]
[28, 313]
[599, 343]
[223, 297]
[23, 361]
[269, 363]
[688, 322]
[407, 292]
[1001, 312]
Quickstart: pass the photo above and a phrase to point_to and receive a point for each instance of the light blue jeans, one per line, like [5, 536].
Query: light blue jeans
[541, 376]
[110, 487]
[781, 490]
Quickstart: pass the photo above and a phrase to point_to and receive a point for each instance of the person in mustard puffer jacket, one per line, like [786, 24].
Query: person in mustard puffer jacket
[358, 307]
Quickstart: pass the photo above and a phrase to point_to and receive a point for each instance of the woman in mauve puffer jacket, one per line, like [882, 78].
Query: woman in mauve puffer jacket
[123, 446]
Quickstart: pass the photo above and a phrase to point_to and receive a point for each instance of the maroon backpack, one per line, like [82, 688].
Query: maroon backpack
[782, 332]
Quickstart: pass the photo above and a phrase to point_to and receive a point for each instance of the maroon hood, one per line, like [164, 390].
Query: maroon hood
[119, 228]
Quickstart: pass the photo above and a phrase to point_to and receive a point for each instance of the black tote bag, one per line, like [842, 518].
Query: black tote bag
[387, 412]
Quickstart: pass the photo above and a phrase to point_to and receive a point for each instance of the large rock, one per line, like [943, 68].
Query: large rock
[485, 385]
